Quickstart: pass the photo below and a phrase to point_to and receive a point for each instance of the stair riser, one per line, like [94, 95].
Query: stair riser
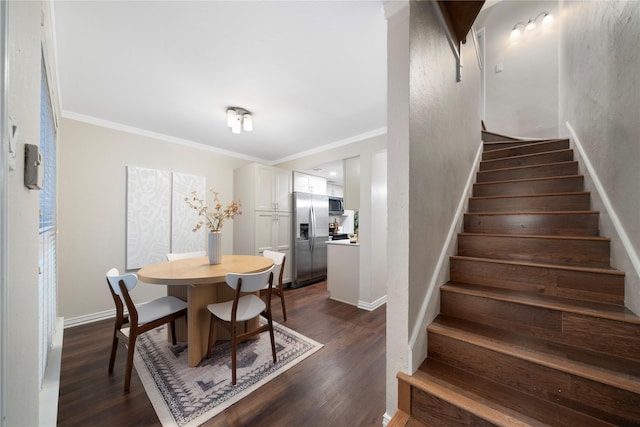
[560, 202]
[497, 145]
[433, 411]
[541, 147]
[585, 286]
[574, 224]
[528, 160]
[558, 169]
[545, 383]
[578, 252]
[616, 338]
[538, 186]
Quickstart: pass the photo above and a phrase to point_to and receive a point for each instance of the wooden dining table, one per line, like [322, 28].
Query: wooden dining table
[198, 283]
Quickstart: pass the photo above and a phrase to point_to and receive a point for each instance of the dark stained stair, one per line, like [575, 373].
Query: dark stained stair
[532, 329]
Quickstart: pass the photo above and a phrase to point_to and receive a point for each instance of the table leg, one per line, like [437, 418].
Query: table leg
[181, 293]
[199, 319]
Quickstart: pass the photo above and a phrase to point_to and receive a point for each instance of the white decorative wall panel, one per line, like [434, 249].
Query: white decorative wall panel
[183, 218]
[148, 216]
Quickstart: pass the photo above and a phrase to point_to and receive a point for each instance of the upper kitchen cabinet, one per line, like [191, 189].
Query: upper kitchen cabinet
[352, 183]
[335, 190]
[306, 183]
[263, 188]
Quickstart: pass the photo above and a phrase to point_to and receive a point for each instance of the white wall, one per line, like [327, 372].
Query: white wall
[92, 207]
[436, 141]
[522, 100]
[21, 316]
[600, 99]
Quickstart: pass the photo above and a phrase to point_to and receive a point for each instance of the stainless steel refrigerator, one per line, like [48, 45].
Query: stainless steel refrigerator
[310, 235]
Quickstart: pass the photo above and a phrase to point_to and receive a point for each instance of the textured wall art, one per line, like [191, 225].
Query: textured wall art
[158, 219]
[183, 218]
[148, 216]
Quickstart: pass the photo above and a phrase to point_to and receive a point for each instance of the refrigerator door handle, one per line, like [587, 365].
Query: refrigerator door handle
[310, 231]
[313, 228]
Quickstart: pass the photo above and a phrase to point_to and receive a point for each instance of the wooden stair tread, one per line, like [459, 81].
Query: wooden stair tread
[535, 213]
[587, 308]
[529, 236]
[542, 153]
[476, 387]
[471, 402]
[527, 166]
[510, 196]
[532, 143]
[594, 365]
[543, 265]
[546, 178]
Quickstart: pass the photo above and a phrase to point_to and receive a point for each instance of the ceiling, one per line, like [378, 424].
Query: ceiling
[312, 73]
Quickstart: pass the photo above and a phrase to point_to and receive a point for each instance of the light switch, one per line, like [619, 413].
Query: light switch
[499, 68]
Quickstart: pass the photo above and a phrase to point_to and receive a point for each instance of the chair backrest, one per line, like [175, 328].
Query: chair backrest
[184, 255]
[114, 277]
[251, 282]
[278, 262]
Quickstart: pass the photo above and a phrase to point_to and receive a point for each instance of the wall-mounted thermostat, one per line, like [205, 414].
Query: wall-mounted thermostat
[33, 167]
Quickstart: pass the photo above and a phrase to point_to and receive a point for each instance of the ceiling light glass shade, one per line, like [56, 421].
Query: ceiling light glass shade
[232, 117]
[547, 20]
[515, 34]
[247, 122]
[530, 26]
[237, 126]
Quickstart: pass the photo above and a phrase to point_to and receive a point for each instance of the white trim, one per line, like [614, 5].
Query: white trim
[391, 7]
[142, 132]
[89, 318]
[617, 224]
[371, 306]
[336, 144]
[4, 59]
[386, 419]
[48, 406]
[450, 241]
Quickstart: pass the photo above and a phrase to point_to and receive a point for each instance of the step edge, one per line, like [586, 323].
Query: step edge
[525, 180]
[513, 196]
[603, 376]
[491, 213]
[543, 265]
[563, 163]
[534, 143]
[541, 153]
[546, 301]
[500, 417]
[529, 236]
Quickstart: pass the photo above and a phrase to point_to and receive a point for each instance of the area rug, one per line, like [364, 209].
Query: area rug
[187, 397]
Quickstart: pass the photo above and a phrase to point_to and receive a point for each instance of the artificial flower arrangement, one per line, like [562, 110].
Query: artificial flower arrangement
[214, 218]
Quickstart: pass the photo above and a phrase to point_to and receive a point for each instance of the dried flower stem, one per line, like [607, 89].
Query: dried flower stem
[214, 218]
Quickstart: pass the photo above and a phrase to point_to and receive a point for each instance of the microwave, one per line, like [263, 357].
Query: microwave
[336, 205]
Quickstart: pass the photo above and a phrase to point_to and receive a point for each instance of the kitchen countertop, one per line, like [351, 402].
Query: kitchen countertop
[344, 242]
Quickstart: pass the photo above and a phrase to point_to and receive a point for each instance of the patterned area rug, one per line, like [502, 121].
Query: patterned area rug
[183, 396]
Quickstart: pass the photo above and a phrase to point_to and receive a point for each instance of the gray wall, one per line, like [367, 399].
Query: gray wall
[92, 207]
[600, 100]
[434, 138]
[522, 100]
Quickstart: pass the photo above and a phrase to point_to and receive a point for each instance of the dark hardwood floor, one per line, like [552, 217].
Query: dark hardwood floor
[341, 385]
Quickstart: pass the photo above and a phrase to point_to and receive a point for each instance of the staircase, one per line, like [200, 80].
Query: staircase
[532, 328]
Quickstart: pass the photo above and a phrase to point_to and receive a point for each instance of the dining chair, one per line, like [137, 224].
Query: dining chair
[140, 319]
[243, 308]
[279, 260]
[183, 255]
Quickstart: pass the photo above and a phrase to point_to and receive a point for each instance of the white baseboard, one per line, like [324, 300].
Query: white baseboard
[48, 399]
[371, 306]
[89, 318]
[386, 419]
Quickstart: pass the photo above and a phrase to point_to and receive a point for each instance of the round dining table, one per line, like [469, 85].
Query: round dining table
[199, 283]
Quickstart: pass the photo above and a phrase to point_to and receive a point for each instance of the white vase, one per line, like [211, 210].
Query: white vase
[215, 247]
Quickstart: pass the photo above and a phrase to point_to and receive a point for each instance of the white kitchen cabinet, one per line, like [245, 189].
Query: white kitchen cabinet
[265, 223]
[335, 190]
[352, 183]
[306, 183]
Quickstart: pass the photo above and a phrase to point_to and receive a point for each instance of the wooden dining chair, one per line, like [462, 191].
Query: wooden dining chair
[140, 319]
[279, 259]
[241, 309]
[184, 255]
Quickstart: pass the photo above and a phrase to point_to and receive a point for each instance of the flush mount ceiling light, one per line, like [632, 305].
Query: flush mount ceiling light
[516, 32]
[239, 119]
